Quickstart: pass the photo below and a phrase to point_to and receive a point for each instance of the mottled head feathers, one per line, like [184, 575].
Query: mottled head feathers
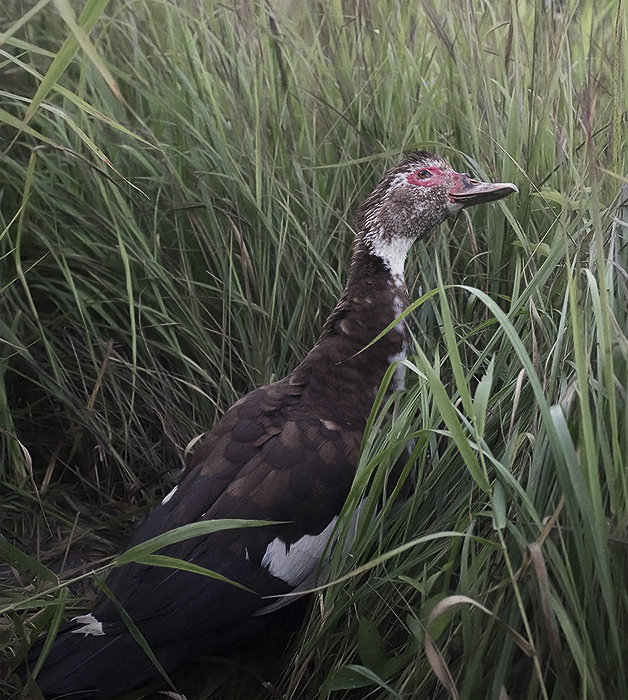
[412, 199]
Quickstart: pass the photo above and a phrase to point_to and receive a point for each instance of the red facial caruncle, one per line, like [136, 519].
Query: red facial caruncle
[430, 176]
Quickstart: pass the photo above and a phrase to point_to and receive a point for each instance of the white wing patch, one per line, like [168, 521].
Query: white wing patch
[168, 496]
[90, 625]
[280, 561]
[298, 562]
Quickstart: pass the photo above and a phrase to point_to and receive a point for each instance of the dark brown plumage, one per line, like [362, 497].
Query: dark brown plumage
[285, 452]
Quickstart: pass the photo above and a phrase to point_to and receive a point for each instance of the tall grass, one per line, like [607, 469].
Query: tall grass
[176, 186]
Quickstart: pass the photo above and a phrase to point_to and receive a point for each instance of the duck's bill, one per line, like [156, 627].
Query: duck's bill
[467, 192]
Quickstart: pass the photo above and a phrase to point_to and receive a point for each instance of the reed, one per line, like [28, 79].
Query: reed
[177, 181]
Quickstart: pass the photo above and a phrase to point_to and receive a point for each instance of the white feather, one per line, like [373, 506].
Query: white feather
[298, 562]
[398, 308]
[168, 496]
[393, 251]
[90, 625]
[399, 377]
[301, 565]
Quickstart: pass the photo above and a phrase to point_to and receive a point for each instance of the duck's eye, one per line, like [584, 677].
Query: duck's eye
[423, 174]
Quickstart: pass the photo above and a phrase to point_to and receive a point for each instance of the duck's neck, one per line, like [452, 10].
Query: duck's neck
[374, 296]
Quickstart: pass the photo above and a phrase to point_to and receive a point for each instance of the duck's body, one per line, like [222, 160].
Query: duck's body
[285, 452]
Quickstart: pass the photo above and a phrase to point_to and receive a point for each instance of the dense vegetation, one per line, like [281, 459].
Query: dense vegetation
[177, 180]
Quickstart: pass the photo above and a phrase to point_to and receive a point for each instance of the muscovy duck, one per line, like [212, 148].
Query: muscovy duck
[284, 452]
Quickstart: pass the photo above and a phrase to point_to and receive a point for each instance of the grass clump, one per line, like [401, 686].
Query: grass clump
[176, 189]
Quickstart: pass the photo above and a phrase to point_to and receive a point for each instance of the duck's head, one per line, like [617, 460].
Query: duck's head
[417, 195]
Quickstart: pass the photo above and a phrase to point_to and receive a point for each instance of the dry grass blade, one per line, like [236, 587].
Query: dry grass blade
[434, 656]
